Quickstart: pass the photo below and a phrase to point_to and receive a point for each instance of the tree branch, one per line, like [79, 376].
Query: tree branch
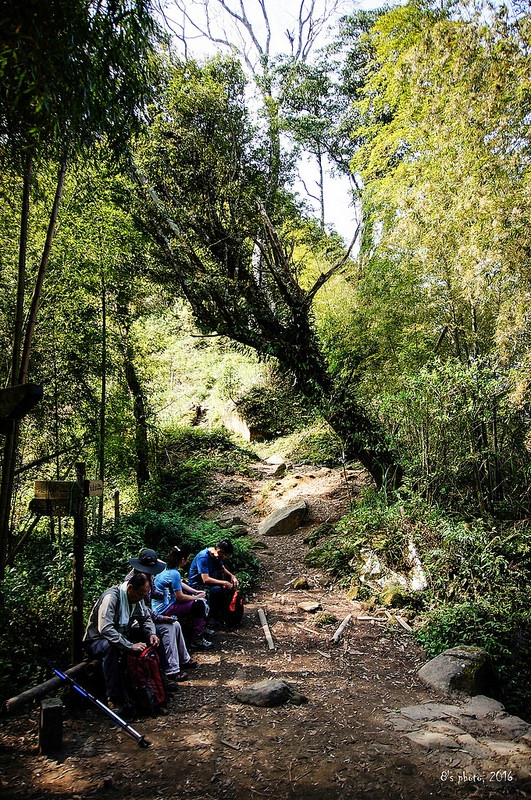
[325, 276]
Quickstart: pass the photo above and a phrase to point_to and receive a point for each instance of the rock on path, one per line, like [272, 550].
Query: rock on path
[472, 740]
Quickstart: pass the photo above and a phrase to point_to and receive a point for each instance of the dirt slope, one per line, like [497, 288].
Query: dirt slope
[338, 745]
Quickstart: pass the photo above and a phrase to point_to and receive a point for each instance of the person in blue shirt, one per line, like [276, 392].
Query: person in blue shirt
[181, 600]
[208, 571]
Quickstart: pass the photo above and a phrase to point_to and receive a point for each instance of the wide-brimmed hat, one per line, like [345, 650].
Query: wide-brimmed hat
[148, 562]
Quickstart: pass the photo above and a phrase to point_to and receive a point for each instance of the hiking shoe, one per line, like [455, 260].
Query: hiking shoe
[190, 664]
[126, 712]
[177, 676]
[215, 624]
[209, 632]
[201, 643]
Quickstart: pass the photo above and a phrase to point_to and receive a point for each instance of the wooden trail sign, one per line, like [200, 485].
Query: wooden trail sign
[68, 498]
[94, 488]
[61, 498]
[57, 490]
[50, 507]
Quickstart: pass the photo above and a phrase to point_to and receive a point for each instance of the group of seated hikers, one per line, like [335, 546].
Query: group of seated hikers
[151, 608]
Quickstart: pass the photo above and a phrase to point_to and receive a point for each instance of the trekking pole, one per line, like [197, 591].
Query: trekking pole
[138, 737]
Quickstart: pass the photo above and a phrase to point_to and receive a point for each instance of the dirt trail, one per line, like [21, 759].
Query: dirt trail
[340, 744]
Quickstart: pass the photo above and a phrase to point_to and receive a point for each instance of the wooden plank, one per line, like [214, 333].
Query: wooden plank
[403, 623]
[339, 632]
[94, 488]
[17, 401]
[57, 490]
[51, 508]
[265, 628]
[14, 703]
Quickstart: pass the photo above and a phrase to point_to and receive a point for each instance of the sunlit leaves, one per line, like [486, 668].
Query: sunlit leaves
[446, 163]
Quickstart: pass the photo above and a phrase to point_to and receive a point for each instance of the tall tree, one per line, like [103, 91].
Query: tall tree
[71, 73]
[442, 124]
[204, 174]
[444, 158]
[277, 47]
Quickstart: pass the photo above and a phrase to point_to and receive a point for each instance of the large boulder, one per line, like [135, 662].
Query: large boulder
[461, 669]
[284, 520]
[234, 421]
[270, 693]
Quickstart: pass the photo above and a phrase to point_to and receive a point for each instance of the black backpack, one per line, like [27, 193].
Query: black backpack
[235, 610]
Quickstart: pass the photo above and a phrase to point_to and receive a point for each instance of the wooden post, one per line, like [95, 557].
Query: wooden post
[51, 726]
[117, 504]
[79, 558]
[265, 627]
[337, 635]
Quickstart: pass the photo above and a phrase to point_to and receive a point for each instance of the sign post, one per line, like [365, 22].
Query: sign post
[79, 562]
[62, 499]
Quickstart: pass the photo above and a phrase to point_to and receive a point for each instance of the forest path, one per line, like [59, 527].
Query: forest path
[348, 741]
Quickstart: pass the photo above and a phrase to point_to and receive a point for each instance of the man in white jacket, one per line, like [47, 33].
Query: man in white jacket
[108, 632]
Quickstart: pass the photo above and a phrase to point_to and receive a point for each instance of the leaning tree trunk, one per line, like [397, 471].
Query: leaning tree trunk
[257, 300]
[363, 438]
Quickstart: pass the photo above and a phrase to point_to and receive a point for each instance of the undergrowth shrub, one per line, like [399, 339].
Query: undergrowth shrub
[34, 622]
[371, 523]
[478, 575]
[186, 458]
[461, 439]
[273, 406]
[315, 444]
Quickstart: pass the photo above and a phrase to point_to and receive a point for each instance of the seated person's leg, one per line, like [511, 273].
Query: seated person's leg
[184, 655]
[168, 652]
[110, 662]
[218, 600]
[198, 616]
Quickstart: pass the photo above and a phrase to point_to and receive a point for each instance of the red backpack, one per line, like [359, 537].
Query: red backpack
[146, 680]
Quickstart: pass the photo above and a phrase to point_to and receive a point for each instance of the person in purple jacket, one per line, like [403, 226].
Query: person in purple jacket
[181, 600]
